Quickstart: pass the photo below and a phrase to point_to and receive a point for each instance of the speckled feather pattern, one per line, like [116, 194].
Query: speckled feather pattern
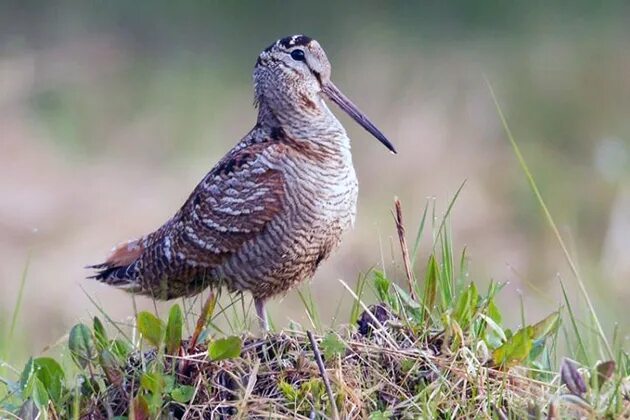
[267, 214]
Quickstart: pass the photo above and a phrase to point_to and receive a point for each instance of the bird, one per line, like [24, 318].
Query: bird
[273, 208]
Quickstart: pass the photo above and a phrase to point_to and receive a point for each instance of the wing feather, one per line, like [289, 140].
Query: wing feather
[233, 204]
[229, 207]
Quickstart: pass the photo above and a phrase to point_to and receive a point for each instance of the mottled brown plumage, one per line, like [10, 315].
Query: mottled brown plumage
[273, 208]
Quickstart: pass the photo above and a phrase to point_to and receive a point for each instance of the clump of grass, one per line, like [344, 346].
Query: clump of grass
[431, 345]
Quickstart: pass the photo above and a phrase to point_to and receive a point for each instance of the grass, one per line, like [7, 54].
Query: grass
[4, 348]
[550, 221]
[444, 353]
[429, 344]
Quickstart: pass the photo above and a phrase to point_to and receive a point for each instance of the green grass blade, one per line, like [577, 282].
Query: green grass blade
[576, 330]
[550, 220]
[447, 263]
[311, 308]
[448, 213]
[107, 317]
[416, 244]
[430, 289]
[16, 309]
[463, 270]
[355, 311]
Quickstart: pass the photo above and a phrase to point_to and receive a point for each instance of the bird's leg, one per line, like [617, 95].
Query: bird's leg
[202, 321]
[261, 314]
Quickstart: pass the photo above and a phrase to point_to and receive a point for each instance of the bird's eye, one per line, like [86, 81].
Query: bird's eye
[298, 55]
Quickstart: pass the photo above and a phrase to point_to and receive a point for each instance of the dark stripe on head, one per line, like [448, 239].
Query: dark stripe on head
[285, 43]
[290, 41]
[295, 40]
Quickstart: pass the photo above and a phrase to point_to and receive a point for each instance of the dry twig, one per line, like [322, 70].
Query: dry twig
[400, 228]
[322, 371]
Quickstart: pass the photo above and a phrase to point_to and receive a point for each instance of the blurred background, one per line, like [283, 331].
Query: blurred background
[112, 111]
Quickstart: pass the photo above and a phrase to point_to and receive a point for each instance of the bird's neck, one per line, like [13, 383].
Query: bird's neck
[304, 118]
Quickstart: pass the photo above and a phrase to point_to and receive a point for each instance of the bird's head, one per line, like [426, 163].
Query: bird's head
[295, 70]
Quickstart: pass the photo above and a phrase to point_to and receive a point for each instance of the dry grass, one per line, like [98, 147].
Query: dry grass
[436, 348]
[386, 368]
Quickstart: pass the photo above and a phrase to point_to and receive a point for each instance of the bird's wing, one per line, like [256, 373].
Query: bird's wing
[230, 206]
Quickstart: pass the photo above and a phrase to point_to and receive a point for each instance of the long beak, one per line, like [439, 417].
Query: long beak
[351, 109]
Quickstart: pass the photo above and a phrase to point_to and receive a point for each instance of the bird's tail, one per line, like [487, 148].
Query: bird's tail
[122, 268]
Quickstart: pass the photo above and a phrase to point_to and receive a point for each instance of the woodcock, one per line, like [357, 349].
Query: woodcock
[273, 208]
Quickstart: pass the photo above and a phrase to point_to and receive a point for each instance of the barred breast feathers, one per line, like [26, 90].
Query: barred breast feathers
[238, 198]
